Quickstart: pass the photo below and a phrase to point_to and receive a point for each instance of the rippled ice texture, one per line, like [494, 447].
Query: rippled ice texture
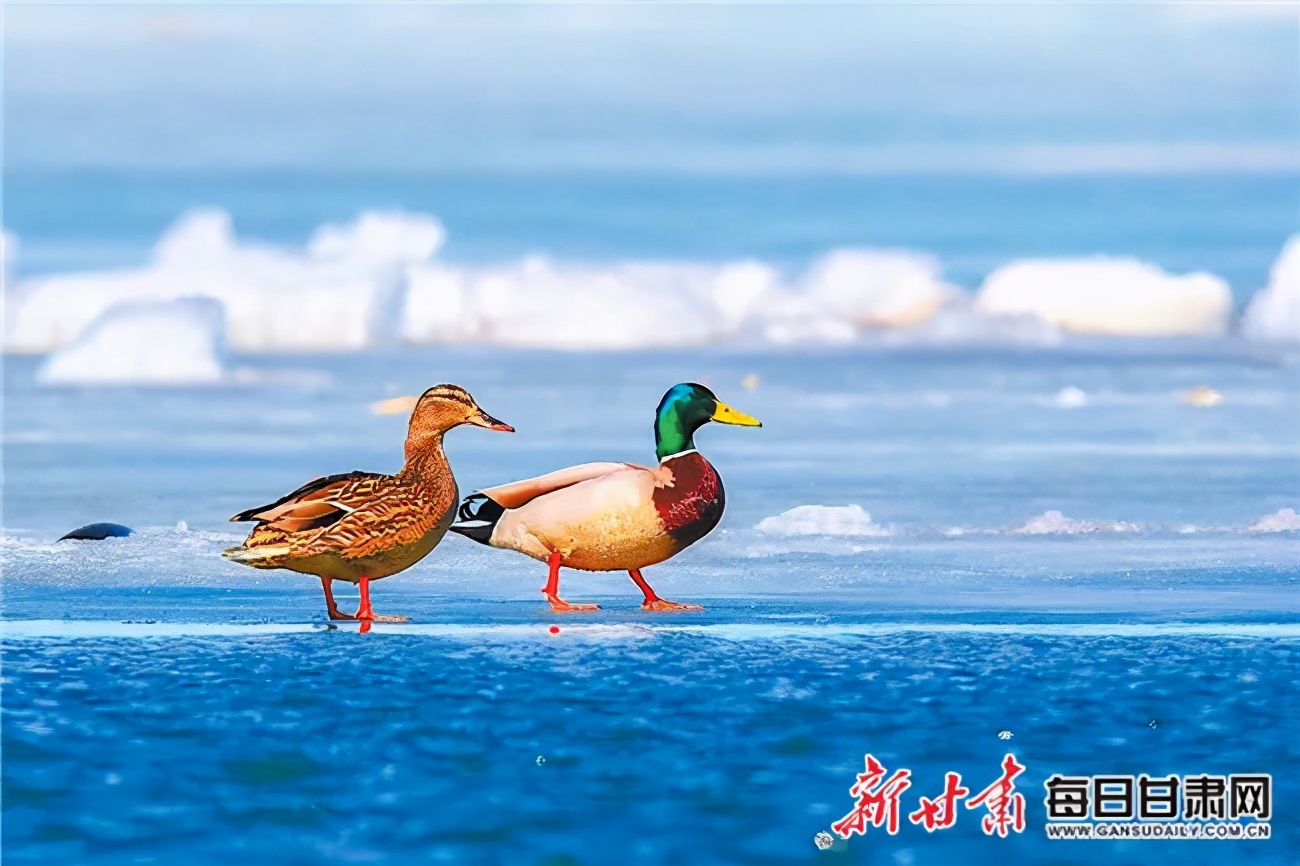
[163, 705]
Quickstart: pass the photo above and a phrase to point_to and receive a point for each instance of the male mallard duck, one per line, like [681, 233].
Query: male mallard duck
[613, 516]
[363, 526]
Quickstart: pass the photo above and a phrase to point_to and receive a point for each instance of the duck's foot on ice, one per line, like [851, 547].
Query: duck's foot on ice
[660, 605]
[559, 605]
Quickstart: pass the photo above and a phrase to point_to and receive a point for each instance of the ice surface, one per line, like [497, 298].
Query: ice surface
[1108, 296]
[1274, 313]
[146, 343]
[945, 454]
[794, 631]
[14, 631]
[81, 629]
[160, 701]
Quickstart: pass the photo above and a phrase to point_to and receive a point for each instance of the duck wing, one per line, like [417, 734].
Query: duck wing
[519, 493]
[566, 491]
[318, 503]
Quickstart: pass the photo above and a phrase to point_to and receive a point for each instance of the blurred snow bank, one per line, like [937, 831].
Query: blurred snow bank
[1284, 520]
[1056, 523]
[822, 520]
[330, 296]
[542, 303]
[1274, 313]
[1121, 297]
[149, 343]
[545, 304]
[376, 279]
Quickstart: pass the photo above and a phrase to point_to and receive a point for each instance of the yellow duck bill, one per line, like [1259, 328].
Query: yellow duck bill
[724, 414]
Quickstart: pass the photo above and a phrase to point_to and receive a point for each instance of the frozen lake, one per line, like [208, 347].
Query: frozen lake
[1052, 543]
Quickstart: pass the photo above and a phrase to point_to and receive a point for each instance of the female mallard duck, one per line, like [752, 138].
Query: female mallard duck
[363, 526]
[613, 516]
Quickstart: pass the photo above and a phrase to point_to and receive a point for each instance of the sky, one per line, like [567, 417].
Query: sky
[1030, 88]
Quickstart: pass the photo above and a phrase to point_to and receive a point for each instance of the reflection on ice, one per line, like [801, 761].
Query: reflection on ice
[81, 629]
[18, 630]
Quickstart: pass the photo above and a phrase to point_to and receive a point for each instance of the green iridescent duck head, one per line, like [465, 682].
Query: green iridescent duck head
[686, 408]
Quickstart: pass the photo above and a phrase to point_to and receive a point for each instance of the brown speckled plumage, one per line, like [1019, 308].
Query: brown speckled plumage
[364, 524]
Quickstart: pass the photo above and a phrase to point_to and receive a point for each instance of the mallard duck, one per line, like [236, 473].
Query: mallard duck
[363, 526]
[613, 516]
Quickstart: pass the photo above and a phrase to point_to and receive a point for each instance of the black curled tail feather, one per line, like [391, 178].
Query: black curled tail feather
[477, 517]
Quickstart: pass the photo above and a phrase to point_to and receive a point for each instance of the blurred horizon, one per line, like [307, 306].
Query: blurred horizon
[717, 90]
[586, 176]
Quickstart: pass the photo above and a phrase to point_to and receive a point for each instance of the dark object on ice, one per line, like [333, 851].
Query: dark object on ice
[98, 532]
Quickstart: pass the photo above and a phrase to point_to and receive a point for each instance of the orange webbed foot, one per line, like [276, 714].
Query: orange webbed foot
[660, 605]
[559, 605]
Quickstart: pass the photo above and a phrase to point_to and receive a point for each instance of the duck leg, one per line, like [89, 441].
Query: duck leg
[327, 584]
[365, 613]
[653, 601]
[552, 589]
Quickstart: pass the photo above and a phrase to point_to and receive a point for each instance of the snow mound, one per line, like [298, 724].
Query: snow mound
[1056, 523]
[850, 291]
[1285, 520]
[1274, 313]
[848, 520]
[167, 343]
[542, 303]
[377, 278]
[334, 295]
[1121, 297]
[1202, 397]
[870, 289]
[354, 285]
[1071, 397]
[379, 238]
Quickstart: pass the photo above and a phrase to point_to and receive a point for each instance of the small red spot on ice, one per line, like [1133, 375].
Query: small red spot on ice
[555, 629]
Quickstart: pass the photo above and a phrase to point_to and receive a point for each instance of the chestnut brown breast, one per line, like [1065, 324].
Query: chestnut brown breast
[693, 505]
